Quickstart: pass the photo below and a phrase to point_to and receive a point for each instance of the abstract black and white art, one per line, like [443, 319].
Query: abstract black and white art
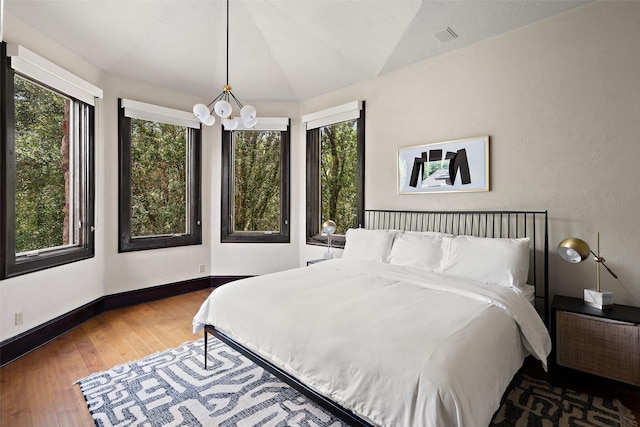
[460, 165]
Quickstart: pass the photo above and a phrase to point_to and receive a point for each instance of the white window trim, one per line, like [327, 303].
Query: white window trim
[267, 123]
[156, 113]
[34, 66]
[338, 114]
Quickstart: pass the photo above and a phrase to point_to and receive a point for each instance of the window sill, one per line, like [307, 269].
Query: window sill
[255, 237]
[319, 240]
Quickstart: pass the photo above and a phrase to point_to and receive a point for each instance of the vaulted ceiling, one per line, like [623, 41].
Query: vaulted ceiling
[278, 49]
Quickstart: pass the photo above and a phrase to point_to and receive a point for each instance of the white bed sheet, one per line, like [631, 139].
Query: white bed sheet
[397, 346]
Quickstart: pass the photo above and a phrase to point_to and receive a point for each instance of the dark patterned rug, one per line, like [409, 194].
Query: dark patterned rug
[535, 403]
[171, 388]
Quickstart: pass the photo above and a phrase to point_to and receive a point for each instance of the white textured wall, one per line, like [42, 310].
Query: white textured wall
[559, 98]
[561, 102]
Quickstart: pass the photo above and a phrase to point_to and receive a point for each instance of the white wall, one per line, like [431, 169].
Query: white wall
[561, 102]
[559, 98]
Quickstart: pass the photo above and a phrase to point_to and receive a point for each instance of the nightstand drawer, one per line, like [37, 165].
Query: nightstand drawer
[598, 346]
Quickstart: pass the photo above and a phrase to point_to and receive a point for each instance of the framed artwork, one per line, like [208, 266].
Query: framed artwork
[451, 166]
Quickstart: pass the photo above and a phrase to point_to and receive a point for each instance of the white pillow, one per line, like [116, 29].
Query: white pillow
[421, 250]
[368, 245]
[491, 260]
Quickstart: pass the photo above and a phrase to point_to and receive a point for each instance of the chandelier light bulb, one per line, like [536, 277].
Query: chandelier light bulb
[209, 120]
[248, 112]
[250, 123]
[201, 112]
[230, 123]
[222, 109]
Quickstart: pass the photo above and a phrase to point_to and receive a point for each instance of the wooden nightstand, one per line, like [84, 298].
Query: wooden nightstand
[605, 343]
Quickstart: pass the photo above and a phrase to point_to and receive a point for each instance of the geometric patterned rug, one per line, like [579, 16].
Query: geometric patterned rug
[171, 388]
[533, 402]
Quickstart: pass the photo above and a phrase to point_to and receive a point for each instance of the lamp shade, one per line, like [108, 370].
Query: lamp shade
[222, 108]
[209, 120]
[329, 227]
[201, 111]
[248, 112]
[250, 123]
[574, 250]
[230, 123]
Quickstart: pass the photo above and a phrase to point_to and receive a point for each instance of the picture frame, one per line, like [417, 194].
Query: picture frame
[443, 167]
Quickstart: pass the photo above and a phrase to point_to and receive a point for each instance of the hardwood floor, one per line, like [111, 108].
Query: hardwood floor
[38, 389]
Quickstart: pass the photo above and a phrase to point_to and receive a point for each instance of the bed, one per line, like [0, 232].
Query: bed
[423, 321]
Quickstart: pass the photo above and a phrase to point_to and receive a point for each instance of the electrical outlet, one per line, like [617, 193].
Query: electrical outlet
[19, 318]
[201, 268]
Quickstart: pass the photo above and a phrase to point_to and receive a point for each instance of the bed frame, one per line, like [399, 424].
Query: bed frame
[494, 224]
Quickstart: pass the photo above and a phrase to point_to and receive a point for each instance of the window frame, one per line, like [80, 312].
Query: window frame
[127, 243]
[12, 265]
[314, 234]
[227, 235]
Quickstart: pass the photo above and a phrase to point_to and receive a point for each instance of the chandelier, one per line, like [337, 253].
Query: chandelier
[222, 106]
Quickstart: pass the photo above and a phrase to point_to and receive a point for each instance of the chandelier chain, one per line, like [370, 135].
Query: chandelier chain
[227, 42]
[222, 107]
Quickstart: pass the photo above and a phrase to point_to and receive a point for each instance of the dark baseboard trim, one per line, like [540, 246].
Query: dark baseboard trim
[140, 296]
[14, 347]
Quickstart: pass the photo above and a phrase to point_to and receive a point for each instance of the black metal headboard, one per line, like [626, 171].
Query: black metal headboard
[495, 224]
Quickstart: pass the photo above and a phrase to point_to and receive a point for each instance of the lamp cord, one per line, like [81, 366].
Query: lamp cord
[601, 261]
[629, 291]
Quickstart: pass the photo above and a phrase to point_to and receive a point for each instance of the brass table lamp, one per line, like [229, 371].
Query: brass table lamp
[577, 250]
[328, 228]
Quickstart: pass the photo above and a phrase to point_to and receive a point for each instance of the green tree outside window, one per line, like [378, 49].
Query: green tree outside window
[256, 175]
[158, 178]
[338, 174]
[41, 197]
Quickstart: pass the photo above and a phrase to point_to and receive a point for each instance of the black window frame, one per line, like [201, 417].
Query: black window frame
[313, 207]
[12, 266]
[227, 234]
[126, 243]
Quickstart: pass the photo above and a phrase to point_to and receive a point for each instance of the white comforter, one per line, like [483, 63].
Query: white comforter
[397, 346]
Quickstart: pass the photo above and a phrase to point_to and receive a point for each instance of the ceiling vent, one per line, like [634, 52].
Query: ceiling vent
[445, 35]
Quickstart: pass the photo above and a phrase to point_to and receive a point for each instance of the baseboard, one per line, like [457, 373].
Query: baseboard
[139, 296]
[14, 347]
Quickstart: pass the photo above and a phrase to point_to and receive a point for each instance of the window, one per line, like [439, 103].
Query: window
[335, 170]
[159, 177]
[255, 183]
[47, 162]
